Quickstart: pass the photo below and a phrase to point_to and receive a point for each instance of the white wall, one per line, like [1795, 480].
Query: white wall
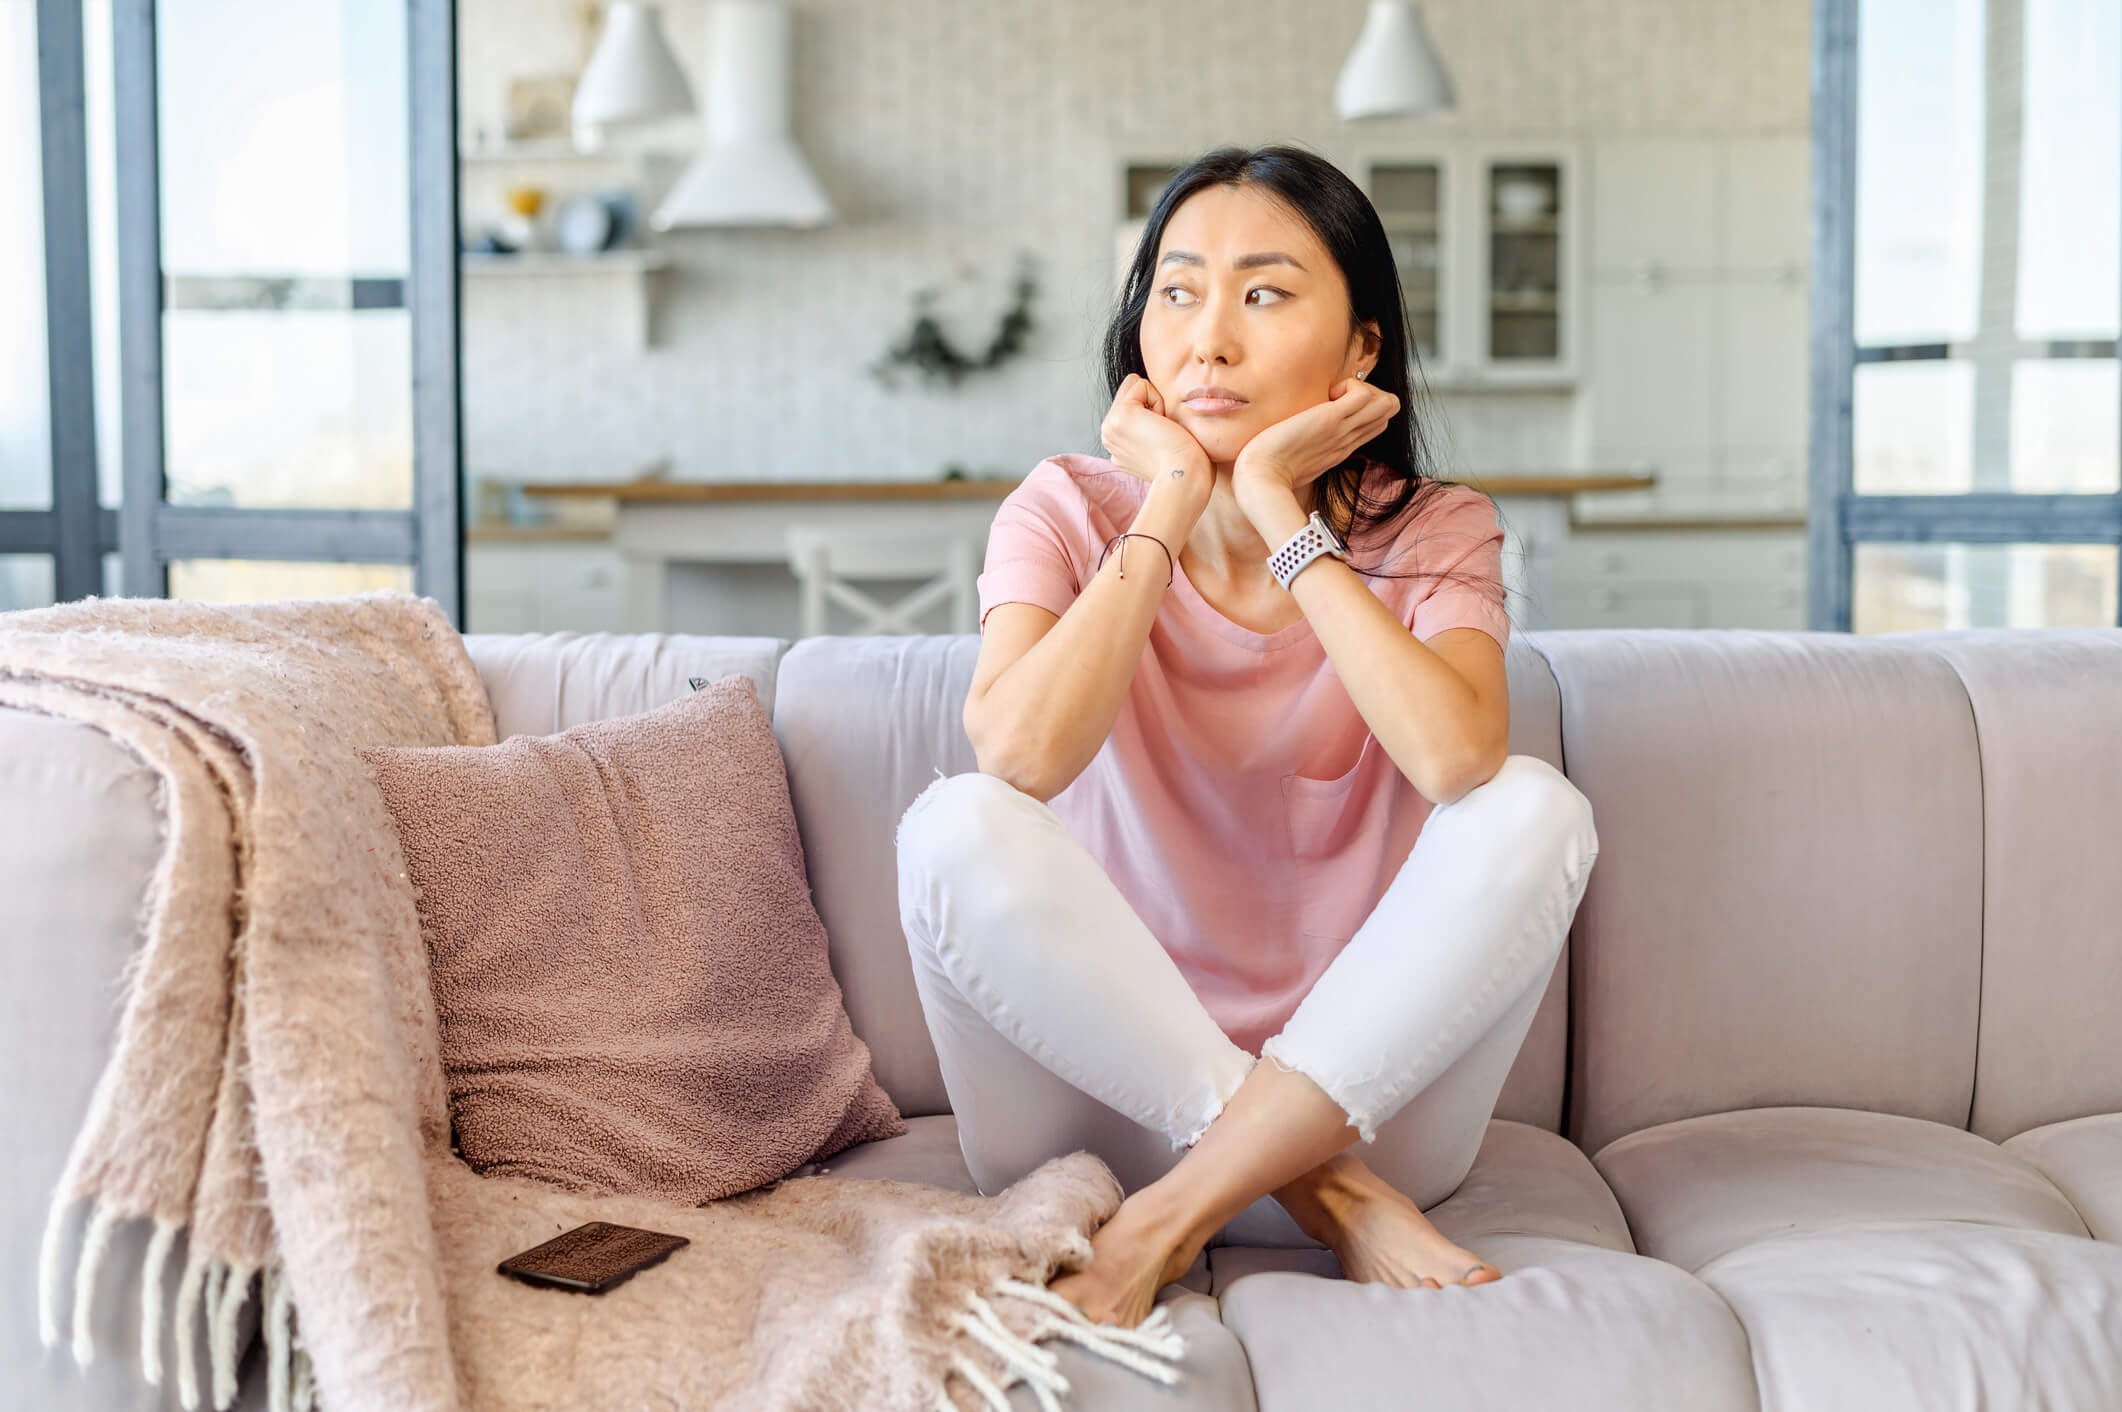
[951, 134]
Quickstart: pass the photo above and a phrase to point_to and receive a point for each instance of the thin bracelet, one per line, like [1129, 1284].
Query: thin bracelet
[1124, 534]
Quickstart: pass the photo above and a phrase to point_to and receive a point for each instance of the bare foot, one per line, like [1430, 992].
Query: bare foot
[1133, 1255]
[1383, 1238]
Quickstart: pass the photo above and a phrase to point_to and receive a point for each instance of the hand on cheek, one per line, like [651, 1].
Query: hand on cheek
[1302, 447]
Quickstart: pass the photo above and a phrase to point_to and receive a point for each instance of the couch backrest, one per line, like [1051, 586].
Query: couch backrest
[545, 682]
[1861, 872]
[2047, 710]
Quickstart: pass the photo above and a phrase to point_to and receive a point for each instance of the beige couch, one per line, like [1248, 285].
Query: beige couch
[1823, 1108]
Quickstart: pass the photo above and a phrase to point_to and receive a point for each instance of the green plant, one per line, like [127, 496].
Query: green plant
[925, 349]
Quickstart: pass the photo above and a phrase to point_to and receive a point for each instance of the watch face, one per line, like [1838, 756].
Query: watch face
[1332, 537]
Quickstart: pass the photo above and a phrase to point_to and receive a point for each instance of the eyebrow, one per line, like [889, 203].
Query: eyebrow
[1243, 262]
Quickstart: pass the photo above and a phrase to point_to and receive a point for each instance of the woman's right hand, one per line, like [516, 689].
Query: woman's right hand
[1141, 440]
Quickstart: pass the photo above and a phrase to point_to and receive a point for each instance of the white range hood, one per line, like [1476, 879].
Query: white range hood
[750, 172]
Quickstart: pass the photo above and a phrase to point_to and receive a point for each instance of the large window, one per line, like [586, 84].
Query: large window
[1968, 448]
[243, 383]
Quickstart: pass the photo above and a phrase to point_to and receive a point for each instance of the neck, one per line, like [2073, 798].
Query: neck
[1223, 541]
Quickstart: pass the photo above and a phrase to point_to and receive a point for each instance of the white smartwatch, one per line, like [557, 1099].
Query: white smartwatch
[1316, 538]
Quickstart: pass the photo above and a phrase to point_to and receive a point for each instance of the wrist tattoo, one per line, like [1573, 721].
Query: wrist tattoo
[1178, 472]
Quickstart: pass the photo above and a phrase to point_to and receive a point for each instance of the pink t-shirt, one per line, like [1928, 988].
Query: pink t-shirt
[1240, 804]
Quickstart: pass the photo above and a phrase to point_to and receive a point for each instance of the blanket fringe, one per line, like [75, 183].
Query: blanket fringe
[1151, 1349]
[303, 1388]
[235, 1293]
[225, 1290]
[196, 1274]
[277, 1368]
[151, 1300]
[48, 1269]
[93, 1246]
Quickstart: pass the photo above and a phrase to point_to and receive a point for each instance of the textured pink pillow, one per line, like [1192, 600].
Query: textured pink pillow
[629, 974]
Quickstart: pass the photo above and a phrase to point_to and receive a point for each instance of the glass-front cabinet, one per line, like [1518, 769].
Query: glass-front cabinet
[1410, 201]
[1486, 240]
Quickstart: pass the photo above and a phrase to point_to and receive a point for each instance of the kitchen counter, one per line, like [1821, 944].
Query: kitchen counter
[660, 522]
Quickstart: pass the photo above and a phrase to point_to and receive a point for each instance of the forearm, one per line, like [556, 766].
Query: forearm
[1041, 721]
[1420, 709]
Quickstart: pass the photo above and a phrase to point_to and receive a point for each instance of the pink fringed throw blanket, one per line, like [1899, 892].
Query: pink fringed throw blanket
[276, 1095]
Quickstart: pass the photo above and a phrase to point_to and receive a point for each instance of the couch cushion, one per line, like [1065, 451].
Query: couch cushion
[1612, 1330]
[2045, 703]
[540, 683]
[630, 981]
[1928, 1314]
[866, 723]
[1568, 1326]
[1880, 1261]
[1787, 907]
[2083, 1157]
[1701, 1187]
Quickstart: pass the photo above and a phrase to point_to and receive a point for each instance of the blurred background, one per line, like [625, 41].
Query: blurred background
[741, 317]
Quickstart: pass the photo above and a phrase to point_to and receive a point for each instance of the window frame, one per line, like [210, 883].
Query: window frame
[1841, 517]
[146, 531]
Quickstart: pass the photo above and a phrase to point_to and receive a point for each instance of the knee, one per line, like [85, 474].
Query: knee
[955, 822]
[1538, 804]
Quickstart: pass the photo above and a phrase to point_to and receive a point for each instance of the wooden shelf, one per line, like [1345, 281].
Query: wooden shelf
[548, 262]
[546, 149]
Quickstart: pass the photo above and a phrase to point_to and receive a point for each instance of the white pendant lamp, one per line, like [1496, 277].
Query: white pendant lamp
[750, 172]
[1394, 70]
[631, 77]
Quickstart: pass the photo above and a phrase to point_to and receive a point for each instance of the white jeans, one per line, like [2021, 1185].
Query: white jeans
[1061, 1024]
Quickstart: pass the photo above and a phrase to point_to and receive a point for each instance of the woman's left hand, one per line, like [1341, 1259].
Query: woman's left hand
[1299, 449]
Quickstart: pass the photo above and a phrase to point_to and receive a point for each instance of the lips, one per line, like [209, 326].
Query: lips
[1210, 397]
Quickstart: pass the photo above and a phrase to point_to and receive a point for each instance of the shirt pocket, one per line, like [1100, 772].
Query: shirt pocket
[1317, 811]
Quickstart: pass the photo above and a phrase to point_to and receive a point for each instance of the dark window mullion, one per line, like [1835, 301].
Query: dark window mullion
[139, 291]
[76, 518]
[433, 288]
[1834, 312]
[331, 536]
[1985, 517]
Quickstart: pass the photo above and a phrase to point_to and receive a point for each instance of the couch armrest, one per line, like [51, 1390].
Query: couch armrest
[80, 832]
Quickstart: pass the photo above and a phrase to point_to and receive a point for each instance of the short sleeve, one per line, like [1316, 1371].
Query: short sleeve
[1036, 545]
[1456, 536]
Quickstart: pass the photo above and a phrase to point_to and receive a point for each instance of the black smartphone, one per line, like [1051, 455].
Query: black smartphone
[591, 1258]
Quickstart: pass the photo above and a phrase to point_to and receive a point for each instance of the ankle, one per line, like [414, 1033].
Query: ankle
[1165, 1217]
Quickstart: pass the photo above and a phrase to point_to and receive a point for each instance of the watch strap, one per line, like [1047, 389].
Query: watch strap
[1307, 544]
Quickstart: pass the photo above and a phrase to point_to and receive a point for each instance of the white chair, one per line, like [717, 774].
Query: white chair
[822, 559]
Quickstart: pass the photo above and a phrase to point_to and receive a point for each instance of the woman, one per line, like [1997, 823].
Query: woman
[1219, 817]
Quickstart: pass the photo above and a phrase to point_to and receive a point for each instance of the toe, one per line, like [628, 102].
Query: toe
[1474, 1275]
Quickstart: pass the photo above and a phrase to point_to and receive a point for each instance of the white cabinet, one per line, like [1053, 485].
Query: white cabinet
[542, 585]
[1652, 382]
[1523, 294]
[1699, 312]
[1765, 204]
[1671, 578]
[1653, 206]
[1487, 238]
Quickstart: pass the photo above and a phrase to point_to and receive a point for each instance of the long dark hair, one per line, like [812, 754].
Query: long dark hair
[1346, 223]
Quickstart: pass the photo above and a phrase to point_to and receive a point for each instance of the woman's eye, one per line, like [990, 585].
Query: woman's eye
[1280, 294]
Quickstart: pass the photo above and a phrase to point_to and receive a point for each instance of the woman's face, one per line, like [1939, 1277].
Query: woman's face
[1274, 332]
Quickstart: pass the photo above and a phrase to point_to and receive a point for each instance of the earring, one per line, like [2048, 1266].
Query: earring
[1364, 374]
